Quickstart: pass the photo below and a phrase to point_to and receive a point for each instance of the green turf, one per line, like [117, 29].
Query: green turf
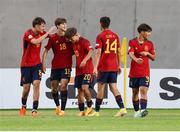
[164, 120]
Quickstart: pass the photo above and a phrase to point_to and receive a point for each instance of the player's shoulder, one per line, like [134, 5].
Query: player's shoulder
[149, 42]
[100, 35]
[133, 41]
[53, 36]
[84, 40]
[107, 33]
[28, 32]
[42, 33]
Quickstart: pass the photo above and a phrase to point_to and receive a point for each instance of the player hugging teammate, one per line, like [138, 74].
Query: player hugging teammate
[67, 42]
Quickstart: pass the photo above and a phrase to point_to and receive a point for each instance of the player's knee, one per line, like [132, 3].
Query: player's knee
[80, 92]
[54, 90]
[135, 97]
[63, 86]
[135, 94]
[36, 84]
[54, 85]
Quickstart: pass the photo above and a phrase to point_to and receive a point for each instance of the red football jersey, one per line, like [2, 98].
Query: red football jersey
[81, 50]
[108, 41]
[62, 50]
[140, 70]
[31, 52]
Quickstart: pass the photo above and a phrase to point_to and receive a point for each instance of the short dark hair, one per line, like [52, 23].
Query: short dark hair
[105, 21]
[38, 21]
[59, 21]
[144, 27]
[70, 32]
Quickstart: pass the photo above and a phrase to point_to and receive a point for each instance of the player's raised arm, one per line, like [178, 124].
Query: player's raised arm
[40, 39]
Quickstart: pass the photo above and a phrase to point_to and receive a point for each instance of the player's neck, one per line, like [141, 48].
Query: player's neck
[140, 39]
[104, 29]
[35, 31]
[60, 33]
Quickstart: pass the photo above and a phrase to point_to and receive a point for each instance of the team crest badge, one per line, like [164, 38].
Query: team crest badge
[146, 48]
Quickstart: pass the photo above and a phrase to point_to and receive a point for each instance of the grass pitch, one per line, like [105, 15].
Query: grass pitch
[157, 120]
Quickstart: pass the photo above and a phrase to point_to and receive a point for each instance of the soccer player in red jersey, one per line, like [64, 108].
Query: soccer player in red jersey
[140, 51]
[31, 62]
[61, 64]
[84, 68]
[107, 65]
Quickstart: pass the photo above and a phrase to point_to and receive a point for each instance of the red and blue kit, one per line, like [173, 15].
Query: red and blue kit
[140, 71]
[62, 60]
[83, 74]
[31, 62]
[108, 67]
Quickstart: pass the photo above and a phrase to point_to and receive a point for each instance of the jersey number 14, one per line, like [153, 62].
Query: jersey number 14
[111, 46]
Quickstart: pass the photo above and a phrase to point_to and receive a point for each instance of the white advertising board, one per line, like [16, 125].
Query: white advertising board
[164, 91]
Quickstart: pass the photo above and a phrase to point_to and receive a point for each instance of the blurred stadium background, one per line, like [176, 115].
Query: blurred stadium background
[163, 15]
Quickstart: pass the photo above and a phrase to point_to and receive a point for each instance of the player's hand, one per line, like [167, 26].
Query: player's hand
[119, 70]
[83, 63]
[52, 30]
[95, 72]
[139, 60]
[43, 69]
[144, 53]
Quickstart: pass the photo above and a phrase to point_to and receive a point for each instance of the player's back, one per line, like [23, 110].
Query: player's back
[108, 41]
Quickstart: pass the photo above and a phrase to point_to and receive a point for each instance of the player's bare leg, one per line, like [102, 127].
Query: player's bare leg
[117, 95]
[81, 102]
[135, 101]
[25, 93]
[143, 101]
[63, 89]
[36, 93]
[99, 98]
[55, 95]
[87, 94]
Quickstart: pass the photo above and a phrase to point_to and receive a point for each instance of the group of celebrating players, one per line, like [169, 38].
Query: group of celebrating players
[66, 42]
